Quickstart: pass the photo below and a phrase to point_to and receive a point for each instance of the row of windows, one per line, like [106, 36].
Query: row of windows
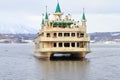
[66, 45]
[64, 26]
[66, 34]
[59, 26]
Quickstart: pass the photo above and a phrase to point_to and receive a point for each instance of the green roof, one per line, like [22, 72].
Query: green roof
[58, 10]
[43, 22]
[83, 17]
[62, 23]
[46, 16]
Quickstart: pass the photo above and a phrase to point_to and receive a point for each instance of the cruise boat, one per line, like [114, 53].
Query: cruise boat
[62, 36]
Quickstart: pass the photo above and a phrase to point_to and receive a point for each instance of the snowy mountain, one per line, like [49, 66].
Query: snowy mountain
[105, 36]
[17, 29]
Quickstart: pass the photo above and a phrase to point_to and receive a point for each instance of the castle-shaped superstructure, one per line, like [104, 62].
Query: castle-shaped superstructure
[62, 35]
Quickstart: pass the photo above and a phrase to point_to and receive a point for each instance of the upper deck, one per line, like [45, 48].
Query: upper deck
[53, 39]
[67, 29]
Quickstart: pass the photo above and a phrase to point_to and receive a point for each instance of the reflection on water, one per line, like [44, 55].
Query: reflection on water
[18, 63]
[63, 70]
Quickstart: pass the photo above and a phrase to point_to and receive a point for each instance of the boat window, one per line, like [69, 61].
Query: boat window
[73, 34]
[60, 44]
[66, 34]
[54, 26]
[48, 34]
[78, 44]
[81, 44]
[60, 26]
[60, 34]
[78, 35]
[54, 45]
[55, 34]
[73, 44]
[63, 26]
[82, 34]
[66, 44]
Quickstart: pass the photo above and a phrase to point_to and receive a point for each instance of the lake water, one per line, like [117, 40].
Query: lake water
[18, 63]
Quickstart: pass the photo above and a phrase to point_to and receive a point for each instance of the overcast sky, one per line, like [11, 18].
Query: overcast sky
[102, 15]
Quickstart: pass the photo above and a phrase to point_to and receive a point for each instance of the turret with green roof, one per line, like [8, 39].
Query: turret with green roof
[43, 22]
[83, 19]
[58, 10]
[83, 16]
[46, 15]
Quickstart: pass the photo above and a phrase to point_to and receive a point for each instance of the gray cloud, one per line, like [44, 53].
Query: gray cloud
[29, 11]
[26, 6]
[38, 6]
